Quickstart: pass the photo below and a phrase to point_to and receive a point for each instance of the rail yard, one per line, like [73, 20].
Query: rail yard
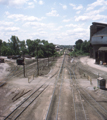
[64, 89]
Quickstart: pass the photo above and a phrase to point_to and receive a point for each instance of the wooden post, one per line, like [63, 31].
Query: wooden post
[91, 81]
[37, 63]
[33, 76]
[23, 65]
[48, 60]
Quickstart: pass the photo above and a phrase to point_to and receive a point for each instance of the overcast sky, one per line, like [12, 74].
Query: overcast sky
[58, 21]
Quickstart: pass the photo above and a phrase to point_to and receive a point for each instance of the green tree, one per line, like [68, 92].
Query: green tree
[38, 48]
[31, 46]
[78, 44]
[34, 47]
[5, 49]
[0, 45]
[79, 41]
[14, 44]
[85, 46]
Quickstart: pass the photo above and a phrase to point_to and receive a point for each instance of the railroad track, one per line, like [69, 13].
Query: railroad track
[18, 70]
[95, 105]
[100, 110]
[18, 111]
[79, 109]
[54, 102]
[31, 68]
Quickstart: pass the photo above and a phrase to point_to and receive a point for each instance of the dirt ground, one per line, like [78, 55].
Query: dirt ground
[3, 70]
[18, 85]
[84, 69]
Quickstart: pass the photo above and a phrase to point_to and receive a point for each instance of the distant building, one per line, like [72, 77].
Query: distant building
[71, 48]
[57, 48]
[98, 41]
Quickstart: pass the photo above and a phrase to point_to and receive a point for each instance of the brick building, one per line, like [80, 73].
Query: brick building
[98, 39]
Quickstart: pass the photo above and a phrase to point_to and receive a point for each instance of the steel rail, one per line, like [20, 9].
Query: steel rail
[82, 106]
[15, 71]
[25, 100]
[94, 101]
[40, 68]
[22, 103]
[60, 90]
[93, 107]
[53, 94]
[102, 112]
[30, 66]
[90, 97]
[30, 103]
[74, 98]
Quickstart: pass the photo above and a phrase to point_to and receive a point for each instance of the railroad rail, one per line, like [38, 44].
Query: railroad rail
[32, 96]
[99, 109]
[18, 70]
[16, 113]
[79, 109]
[95, 105]
[53, 95]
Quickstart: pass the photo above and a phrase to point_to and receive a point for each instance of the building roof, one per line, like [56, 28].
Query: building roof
[102, 49]
[97, 23]
[100, 37]
[102, 32]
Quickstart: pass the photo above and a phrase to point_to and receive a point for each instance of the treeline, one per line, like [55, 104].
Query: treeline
[66, 46]
[37, 47]
[81, 48]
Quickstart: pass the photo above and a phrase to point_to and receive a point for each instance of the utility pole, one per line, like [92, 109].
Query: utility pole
[48, 56]
[37, 63]
[23, 65]
[22, 53]
[39, 45]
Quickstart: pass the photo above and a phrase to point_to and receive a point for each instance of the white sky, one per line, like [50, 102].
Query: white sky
[59, 21]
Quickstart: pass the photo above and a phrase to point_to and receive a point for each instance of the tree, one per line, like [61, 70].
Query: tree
[85, 46]
[34, 47]
[31, 46]
[0, 45]
[79, 41]
[14, 44]
[39, 48]
[78, 44]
